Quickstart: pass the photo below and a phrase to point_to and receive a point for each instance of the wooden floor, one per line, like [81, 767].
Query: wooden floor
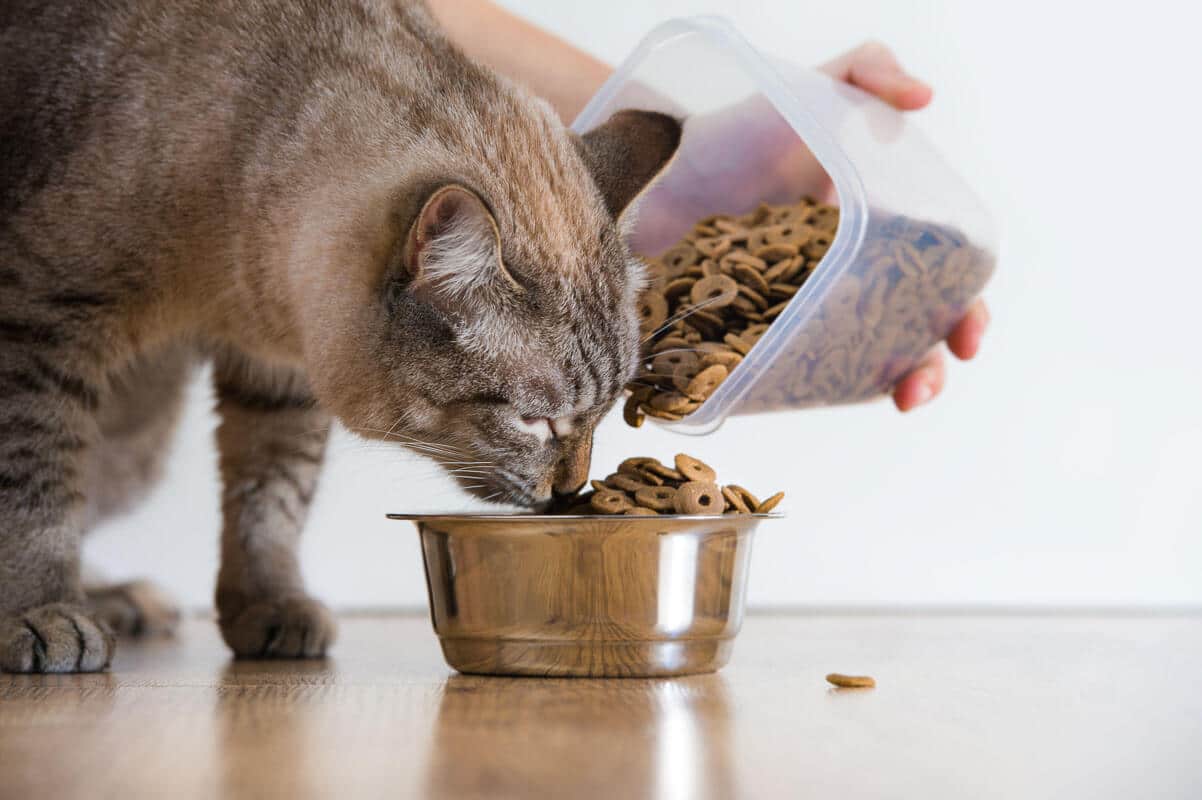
[981, 707]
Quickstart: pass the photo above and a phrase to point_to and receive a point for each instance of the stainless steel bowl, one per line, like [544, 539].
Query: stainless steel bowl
[586, 595]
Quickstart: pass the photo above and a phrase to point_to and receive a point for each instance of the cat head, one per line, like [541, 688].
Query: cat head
[507, 324]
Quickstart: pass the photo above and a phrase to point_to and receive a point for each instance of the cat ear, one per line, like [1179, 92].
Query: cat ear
[454, 246]
[627, 152]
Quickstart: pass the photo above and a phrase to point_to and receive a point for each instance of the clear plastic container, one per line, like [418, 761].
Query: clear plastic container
[914, 245]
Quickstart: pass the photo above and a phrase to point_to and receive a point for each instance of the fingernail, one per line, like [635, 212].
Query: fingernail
[925, 393]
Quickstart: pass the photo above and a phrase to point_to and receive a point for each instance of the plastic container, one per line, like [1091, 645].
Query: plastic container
[914, 245]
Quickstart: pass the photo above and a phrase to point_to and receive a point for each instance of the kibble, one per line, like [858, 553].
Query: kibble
[715, 293]
[643, 486]
[851, 681]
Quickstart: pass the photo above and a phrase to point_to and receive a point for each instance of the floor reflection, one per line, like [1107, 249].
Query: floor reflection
[666, 738]
[268, 727]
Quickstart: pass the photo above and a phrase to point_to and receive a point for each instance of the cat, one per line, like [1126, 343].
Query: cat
[343, 212]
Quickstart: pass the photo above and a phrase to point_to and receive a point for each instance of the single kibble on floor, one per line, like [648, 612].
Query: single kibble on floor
[644, 486]
[714, 294]
[851, 681]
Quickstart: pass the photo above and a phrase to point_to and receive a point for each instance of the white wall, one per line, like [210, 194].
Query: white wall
[1062, 467]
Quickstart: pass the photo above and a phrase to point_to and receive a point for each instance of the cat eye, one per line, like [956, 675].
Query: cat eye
[539, 426]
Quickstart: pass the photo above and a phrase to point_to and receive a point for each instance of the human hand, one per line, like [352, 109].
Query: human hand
[873, 67]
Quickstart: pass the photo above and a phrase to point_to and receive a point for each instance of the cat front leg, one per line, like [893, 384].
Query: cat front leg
[271, 441]
[48, 400]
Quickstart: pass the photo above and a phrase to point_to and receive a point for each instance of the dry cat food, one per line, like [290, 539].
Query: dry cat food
[713, 295]
[851, 681]
[644, 486]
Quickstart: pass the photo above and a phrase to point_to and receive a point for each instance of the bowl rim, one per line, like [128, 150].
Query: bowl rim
[626, 518]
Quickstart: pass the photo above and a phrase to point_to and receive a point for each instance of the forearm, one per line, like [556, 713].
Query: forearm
[550, 67]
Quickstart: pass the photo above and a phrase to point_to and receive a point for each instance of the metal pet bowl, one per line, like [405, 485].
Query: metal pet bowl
[586, 595]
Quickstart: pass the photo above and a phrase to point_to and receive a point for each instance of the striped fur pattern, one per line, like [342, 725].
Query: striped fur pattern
[252, 182]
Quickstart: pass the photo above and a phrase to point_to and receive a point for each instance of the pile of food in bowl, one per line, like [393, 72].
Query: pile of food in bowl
[642, 486]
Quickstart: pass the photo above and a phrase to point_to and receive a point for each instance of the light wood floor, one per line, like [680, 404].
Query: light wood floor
[966, 706]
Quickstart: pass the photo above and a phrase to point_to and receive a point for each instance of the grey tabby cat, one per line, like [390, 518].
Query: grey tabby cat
[344, 212]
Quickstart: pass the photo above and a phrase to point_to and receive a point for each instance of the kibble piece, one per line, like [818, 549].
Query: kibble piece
[699, 497]
[703, 384]
[633, 464]
[713, 247]
[632, 410]
[694, 469]
[640, 511]
[671, 402]
[750, 500]
[912, 275]
[714, 291]
[680, 258]
[659, 498]
[734, 501]
[666, 363]
[624, 482]
[737, 344]
[727, 358]
[776, 251]
[653, 311]
[769, 504]
[610, 502]
[851, 681]
[678, 286]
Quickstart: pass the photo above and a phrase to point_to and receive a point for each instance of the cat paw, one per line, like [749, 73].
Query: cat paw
[58, 637]
[286, 627]
[136, 608]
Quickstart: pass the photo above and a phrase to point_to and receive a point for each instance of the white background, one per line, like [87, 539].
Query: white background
[1060, 468]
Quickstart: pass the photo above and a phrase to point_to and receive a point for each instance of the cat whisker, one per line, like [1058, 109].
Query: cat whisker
[686, 312]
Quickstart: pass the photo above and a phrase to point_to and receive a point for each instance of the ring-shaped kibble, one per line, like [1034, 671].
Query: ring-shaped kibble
[755, 296]
[713, 247]
[741, 257]
[777, 251]
[610, 502]
[664, 472]
[769, 504]
[727, 358]
[699, 497]
[624, 482]
[817, 246]
[679, 258]
[751, 278]
[647, 475]
[640, 511]
[673, 403]
[669, 343]
[652, 311]
[659, 498]
[632, 413]
[714, 291]
[774, 272]
[666, 363]
[683, 376]
[735, 501]
[737, 344]
[707, 323]
[703, 384]
[694, 469]
[750, 500]
[678, 286]
[744, 306]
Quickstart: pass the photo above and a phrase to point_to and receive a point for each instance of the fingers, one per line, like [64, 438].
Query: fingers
[873, 68]
[965, 339]
[922, 384]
